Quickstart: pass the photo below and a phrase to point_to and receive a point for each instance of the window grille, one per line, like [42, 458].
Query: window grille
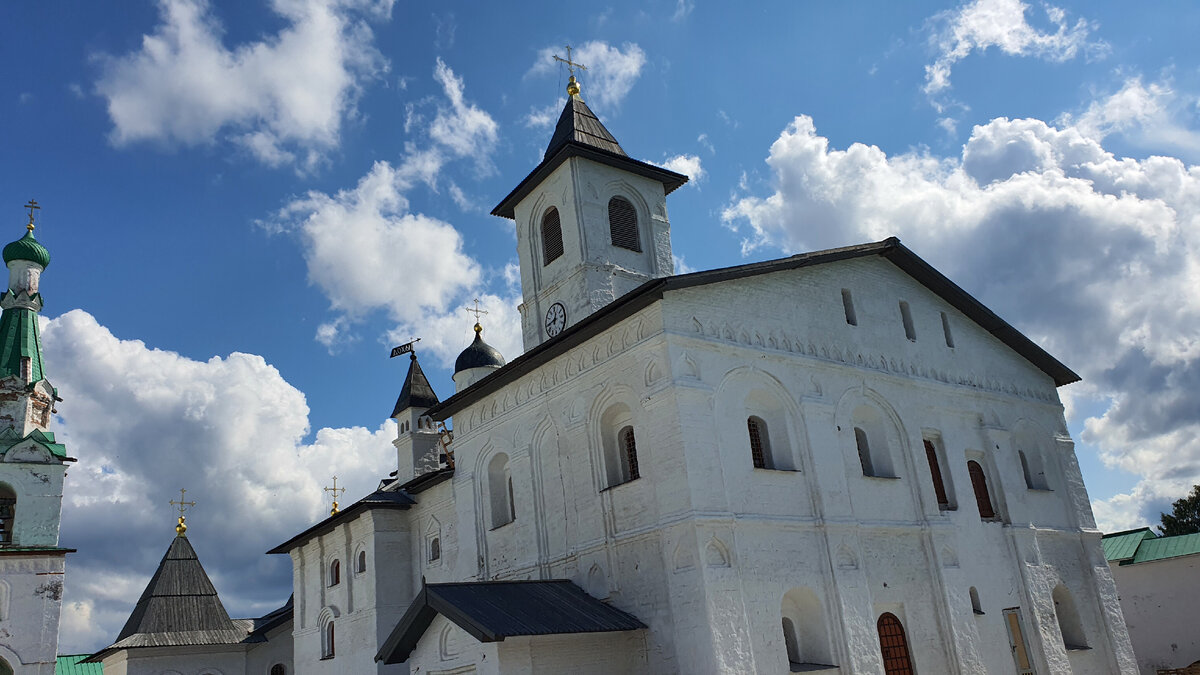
[622, 224]
[979, 483]
[552, 241]
[631, 458]
[935, 471]
[757, 452]
[8, 508]
[894, 646]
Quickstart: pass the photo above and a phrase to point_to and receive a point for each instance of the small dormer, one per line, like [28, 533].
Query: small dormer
[591, 224]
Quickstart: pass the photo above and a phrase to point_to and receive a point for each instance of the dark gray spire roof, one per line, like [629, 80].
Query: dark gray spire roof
[579, 124]
[478, 355]
[579, 133]
[179, 597]
[416, 392]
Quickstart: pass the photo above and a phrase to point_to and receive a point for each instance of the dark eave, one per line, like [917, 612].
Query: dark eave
[641, 297]
[490, 611]
[376, 500]
[507, 207]
[34, 550]
[427, 480]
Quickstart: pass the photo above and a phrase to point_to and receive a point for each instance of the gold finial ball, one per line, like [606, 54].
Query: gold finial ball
[478, 328]
[573, 86]
[334, 510]
[181, 527]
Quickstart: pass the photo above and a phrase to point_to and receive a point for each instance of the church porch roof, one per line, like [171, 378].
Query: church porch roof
[652, 291]
[491, 611]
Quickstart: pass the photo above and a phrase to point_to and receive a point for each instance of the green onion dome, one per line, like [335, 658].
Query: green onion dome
[27, 248]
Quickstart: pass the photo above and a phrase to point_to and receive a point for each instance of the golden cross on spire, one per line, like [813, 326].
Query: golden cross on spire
[181, 527]
[572, 85]
[477, 312]
[335, 490]
[32, 206]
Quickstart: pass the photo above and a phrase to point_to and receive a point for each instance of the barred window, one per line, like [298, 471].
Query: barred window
[622, 224]
[631, 458]
[552, 243]
[760, 449]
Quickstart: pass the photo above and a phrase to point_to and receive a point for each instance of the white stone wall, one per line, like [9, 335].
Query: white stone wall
[260, 657]
[364, 606]
[704, 547]
[31, 589]
[1159, 601]
[198, 660]
[591, 272]
[39, 490]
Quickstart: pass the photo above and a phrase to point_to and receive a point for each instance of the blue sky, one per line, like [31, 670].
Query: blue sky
[248, 203]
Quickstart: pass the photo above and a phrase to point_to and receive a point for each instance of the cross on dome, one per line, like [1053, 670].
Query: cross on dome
[572, 84]
[180, 527]
[335, 490]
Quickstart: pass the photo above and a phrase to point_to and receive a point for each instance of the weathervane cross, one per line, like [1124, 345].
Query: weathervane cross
[335, 490]
[32, 206]
[571, 65]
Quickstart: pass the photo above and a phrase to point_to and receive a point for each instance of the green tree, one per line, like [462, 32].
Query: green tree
[1184, 517]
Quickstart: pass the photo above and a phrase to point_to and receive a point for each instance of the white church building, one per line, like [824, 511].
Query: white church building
[836, 462]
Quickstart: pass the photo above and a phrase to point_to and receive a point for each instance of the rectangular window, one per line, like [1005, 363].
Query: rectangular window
[848, 306]
[906, 317]
[935, 472]
[946, 331]
[1016, 641]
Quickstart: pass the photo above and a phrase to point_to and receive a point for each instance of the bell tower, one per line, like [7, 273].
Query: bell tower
[591, 223]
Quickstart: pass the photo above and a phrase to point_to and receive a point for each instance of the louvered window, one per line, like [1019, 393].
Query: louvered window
[894, 646]
[935, 470]
[622, 224]
[630, 447]
[979, 482]
[552, 243]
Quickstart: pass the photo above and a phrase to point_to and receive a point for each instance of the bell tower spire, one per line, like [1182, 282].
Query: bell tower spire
[591, 222]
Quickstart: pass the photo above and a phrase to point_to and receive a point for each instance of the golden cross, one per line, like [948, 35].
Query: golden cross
[335, 490]
[477, 312]
[181, 526]
[32, 205]
[571, 65]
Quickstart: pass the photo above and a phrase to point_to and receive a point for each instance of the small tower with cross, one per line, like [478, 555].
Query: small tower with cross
[479, 359]
[591, 221]
[416, 437]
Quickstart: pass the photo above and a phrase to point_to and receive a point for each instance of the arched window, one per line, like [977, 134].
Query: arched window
[1068, 618]
[982, 497]
[894, 646]
[623, 225]
[552, 241]
[935, 472]
[629, 447]
[327, 650]
[864, 451]
[362, 562]
[8, 513]
[5, 669]
[435, 549]
[976, 606]
[906, 319]
[804, 631]
[278, 669]
[500, 491]
[335, 573]
[760, 443]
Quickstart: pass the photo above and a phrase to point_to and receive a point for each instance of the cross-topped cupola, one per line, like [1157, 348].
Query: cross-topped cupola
[591, 222]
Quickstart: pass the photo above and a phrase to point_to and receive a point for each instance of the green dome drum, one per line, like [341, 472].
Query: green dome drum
[27, 248]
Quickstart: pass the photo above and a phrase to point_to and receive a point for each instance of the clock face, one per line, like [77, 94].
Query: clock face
[556, 319]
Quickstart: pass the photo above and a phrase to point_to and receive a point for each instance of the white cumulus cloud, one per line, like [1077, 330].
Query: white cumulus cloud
[285, 94]
[146, 422]
[688, 165]
[983, 24]
[611, 71]
[1096, 257]
[1154, 116]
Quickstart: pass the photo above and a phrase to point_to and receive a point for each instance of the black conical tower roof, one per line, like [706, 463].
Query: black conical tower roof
[579, 124]
[416, 392]
[179, 598]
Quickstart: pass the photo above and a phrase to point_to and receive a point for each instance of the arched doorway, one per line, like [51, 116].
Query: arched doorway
[894, 646]
[5, 669]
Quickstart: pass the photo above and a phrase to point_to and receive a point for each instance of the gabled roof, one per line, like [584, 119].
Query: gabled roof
[380, 499]
[416, 392]
[179, 607]
[10, 438]
[492, 610]
[579, 133]
[1142, 545]
[643, 296]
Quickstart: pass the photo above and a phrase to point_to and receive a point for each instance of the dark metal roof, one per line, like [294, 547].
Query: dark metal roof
[579, 124]
[493, 610]
[275, 618]
[890, 249]
[380, 499]
[579, 133]
[427, 480]
[179, 607]
[478, 354]
[416, 392]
